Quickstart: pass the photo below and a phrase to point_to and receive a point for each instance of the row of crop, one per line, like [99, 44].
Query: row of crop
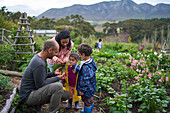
[139, 81]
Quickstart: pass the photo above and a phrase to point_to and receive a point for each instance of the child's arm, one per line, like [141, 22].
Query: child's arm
[76, 68]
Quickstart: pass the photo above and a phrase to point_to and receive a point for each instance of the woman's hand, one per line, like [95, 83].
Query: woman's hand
[59, 61]
[57, 71]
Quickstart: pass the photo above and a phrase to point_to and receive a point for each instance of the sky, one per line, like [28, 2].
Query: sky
[36, 7]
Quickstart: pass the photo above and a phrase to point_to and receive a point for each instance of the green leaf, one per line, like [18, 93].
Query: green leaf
[113, 108]
[102, 104]
[164, 105]
[158, 100]
[129, 105]
[164, 110]
[139, 99]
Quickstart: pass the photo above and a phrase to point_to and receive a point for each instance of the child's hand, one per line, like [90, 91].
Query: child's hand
[81, 93]
[57, 71]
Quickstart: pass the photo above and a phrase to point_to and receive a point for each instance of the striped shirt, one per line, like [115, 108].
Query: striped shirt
[63, 54]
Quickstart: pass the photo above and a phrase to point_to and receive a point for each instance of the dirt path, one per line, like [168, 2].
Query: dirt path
[15, 82]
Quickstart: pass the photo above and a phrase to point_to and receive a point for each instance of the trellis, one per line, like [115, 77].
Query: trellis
[4, 36]
[24, 43]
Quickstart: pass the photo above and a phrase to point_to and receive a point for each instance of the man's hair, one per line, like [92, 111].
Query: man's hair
[86, 49]
[75, 55]
[49, 44]
[64, 34]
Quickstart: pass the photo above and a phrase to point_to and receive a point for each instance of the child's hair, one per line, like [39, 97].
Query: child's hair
[75, 55]
[100, 40]
[86, 49]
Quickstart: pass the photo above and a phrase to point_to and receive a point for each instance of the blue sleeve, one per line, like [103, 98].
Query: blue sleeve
[76, 68]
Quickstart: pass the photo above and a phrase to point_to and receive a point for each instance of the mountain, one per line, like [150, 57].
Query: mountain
[111, 10]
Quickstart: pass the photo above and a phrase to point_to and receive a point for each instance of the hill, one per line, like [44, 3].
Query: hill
[110, 11]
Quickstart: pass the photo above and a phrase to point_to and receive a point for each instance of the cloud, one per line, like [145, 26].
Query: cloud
[25, 8]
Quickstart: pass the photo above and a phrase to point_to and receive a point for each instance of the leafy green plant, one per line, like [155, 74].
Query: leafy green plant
[118, 104]
[151, 97]
[4, 83]
[1, 99]
[19, 107]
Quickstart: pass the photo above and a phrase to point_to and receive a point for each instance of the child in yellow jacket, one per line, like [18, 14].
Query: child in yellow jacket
[71, 81]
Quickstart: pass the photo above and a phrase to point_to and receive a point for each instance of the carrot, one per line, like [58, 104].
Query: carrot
[65, 75]
[60, 73]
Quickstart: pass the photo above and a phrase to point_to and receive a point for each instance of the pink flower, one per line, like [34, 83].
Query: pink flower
[137, 55]
[133, 64]
[146, 69]
[143, 58]
[160, 80]
[130, 58]
[141, 61]
[149, 75]
[166, 79]
[135, 61]
[140, 74]
[143, 71]
[137, 70]
[131, 67]
[141, 48]
[136, 77]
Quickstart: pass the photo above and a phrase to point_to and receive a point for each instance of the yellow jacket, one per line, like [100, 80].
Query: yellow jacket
[75, 96]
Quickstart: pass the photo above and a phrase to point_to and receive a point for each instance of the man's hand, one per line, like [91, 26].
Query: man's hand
[61, 77]
[57, 71]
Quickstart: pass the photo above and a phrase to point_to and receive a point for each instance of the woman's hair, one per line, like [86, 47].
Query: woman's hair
[75, 55]
[64, 34]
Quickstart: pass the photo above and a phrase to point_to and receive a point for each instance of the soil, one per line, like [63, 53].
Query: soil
[15, 82]
[5, 95]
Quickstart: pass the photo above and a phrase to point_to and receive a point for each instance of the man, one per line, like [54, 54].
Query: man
[37, 88]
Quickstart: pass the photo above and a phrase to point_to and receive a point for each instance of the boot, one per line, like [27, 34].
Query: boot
[77, 105]
[86, 110]
[69, 104]
[92, 106]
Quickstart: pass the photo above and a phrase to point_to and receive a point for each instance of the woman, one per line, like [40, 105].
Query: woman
[65, 47]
